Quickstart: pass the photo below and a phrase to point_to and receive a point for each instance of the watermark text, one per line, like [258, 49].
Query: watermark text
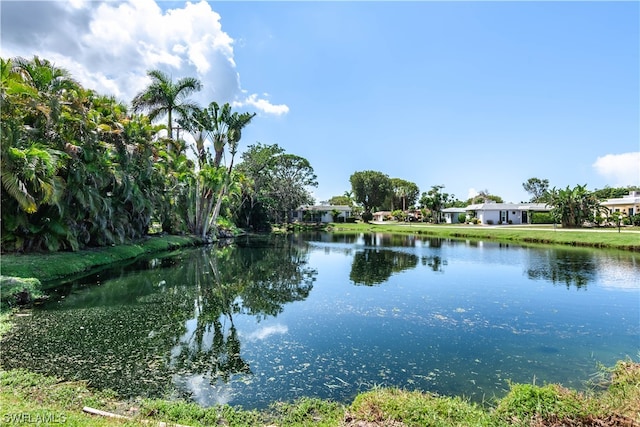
[45, 418]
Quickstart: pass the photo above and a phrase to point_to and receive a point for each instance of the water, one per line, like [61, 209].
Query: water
[328, 315]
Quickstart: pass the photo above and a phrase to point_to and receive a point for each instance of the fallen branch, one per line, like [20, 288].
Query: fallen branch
[94, 411]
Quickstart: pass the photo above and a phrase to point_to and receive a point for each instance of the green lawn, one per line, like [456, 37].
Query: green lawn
[627, 239]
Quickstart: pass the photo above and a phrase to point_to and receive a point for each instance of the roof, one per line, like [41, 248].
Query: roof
[509, 207]
[454, 210]
[622, 201]
[325, 208]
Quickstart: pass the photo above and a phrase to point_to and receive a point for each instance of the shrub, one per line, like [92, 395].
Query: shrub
[635, 219]
[541, 218]
[490, 222]
[350, 220]
[462, 218]
[19, 291]
[475, 220]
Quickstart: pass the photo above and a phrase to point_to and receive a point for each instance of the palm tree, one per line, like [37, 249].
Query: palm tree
[163, 96]
[223, 128]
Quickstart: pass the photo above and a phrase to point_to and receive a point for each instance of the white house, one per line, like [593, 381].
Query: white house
[627, 205]
[452, 215]
[505, 213]
[321, 213]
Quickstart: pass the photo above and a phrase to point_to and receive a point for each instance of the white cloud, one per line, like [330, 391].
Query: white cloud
[472, 193]
[262, 105]
[620, 169]
[266, 332]
[110, 46]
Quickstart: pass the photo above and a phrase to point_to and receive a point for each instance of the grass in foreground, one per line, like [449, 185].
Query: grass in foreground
[614, 400]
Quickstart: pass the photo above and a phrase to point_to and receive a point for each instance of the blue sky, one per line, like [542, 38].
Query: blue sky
[470, 95]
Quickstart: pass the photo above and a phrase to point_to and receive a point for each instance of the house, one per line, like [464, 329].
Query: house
[381, 215]
[628, 205]
[321, 213]
[505, 213]
[452, 215]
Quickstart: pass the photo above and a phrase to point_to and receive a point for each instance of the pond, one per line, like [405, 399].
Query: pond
[329, 315]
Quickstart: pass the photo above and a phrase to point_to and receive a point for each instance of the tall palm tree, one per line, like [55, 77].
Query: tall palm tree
[223, 128]
[163, 96]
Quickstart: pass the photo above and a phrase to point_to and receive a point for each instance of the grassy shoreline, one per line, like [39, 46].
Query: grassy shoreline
[47, 267]
[613, 400]
[628, 239]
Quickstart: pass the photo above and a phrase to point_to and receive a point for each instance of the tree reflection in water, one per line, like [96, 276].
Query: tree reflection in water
[570, 267]
[255, 281]
[137, 329]
[374, 266]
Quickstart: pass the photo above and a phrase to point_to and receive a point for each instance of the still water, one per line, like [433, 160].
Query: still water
[329, 315]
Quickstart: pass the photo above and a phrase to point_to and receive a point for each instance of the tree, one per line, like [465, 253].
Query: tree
[614, 192]
[538, 188]
[163, 96]
[370, 188]
[484, 197]
[403, 194]
[573, 206]
[287, 186]
[221, 127]
[435, 200]
[279, 184]
[77, 169]
[340, 201]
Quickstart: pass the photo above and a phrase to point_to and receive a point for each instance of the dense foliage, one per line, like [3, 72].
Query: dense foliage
[573, 206]
[79, 169]
[371, 189]
[274, 184]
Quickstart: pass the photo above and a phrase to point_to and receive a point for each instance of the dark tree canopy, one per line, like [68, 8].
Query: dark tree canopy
[370, 188]
[404, 194]
[278, 182]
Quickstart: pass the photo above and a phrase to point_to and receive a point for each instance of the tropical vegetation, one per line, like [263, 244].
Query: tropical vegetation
[79, 169]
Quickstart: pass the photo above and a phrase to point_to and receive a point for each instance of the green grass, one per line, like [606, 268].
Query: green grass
[627, 239]
[615, 395]
[51, 266]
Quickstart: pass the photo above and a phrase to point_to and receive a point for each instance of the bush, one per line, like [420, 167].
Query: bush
[635, 219]
[490, 222]
[462, 218]
[367, 216]
[19, 291]
[350, 220]
[475, 220]
[541, 218]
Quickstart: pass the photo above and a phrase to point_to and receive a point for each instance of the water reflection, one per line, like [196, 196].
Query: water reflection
[374, 266]
[271, 319]
[561, 266]
[135, 331]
